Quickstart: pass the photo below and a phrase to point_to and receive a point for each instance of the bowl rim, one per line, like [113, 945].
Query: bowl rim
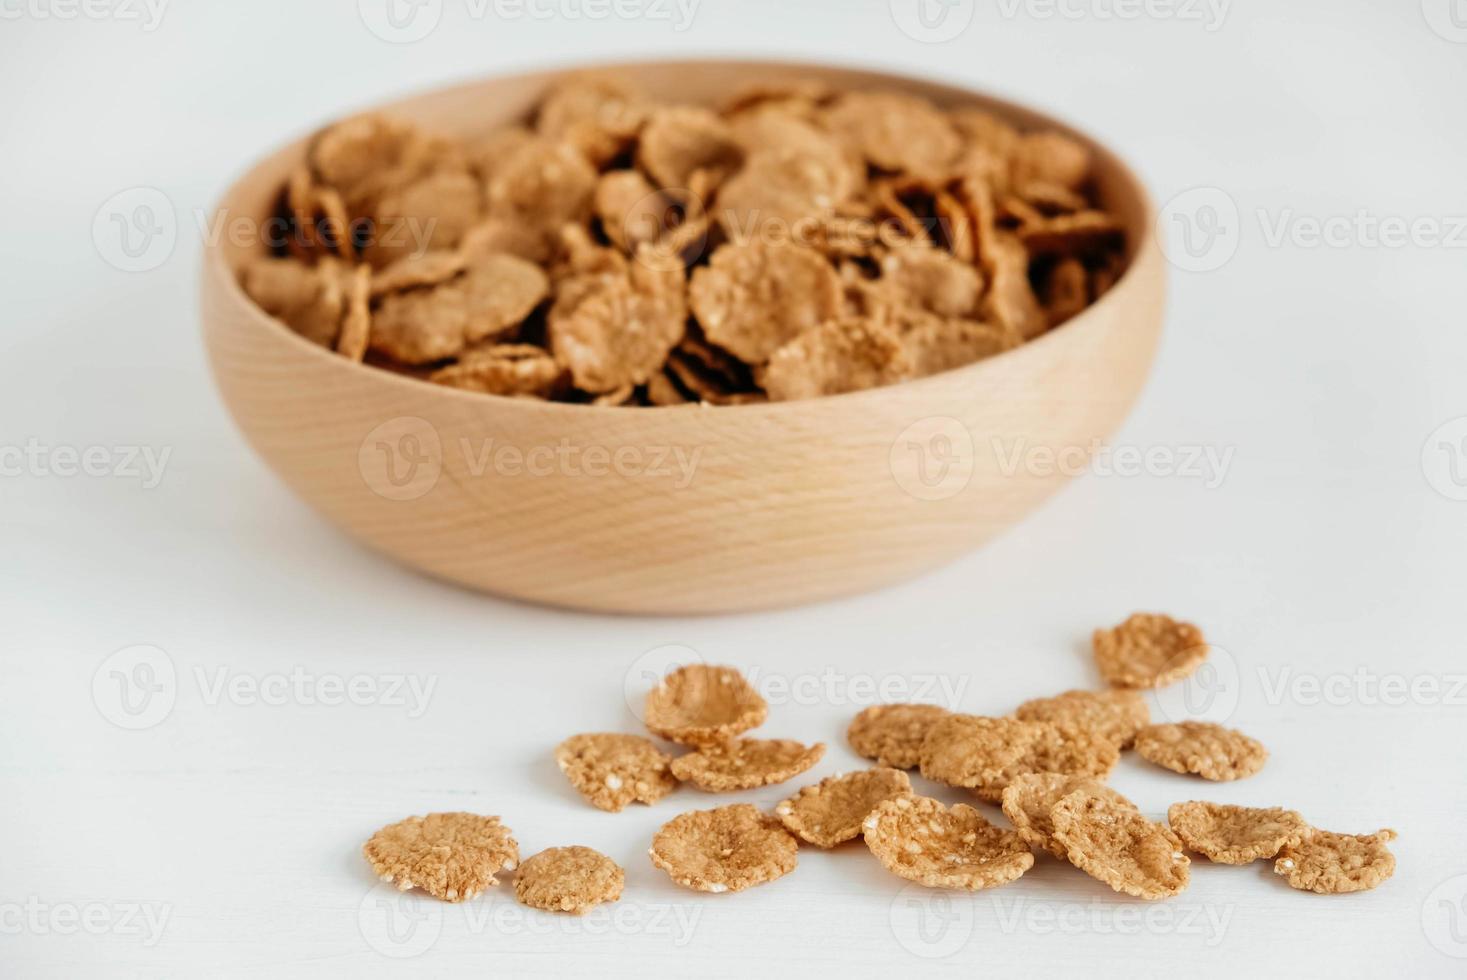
[216, 266]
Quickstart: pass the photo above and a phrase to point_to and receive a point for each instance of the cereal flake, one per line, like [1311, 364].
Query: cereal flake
[833, 810]
[452, 856]
[922, 840]
[1201, 748]
[726, 849]
[568, 879]
[1235, 834]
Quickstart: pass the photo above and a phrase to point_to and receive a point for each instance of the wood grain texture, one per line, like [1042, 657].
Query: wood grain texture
[705, 509]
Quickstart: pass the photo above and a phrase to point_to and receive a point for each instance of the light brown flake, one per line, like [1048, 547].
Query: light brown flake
[971, 750]
[452, 856]
[1066, 751]
[892, 734]
[931, 279]
[1202, 748]
[895, 132]
[726, 849]
[1070, 235]
[1148, 650]
[488, 300]
[1010, 299]
[833, 810]
[1112, 842]
[919, 839]
[632, 212]
[423, 270]
[1235, 834]
[612, 770]
[598, 113]
[840, 355]
[1334, 864]
[431, 213]
[568, 879]
[700, 704]
[1049, 157]
[935, 344]
[753, 298]
[745, 763]
[1028, 800]
[1066, 291]
[1112, 715]
[356, 321]
[679, 141]
[503, 369]
[308, 299]
[615, 329]
[543, 185]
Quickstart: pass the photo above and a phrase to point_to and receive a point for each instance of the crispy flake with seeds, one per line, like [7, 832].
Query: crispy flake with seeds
[833, 810]
[1148, 650]
[612, 770]
[452, 856]
[1112, 842]
[699, 704]
[922, 840]
[568, 879]
[726, 849]
[1235, 834]
[1029, 799]
[1201, 748]
[1334, 864]
[745, 763]
[1113, 715]
[892, 734]
[753, 298]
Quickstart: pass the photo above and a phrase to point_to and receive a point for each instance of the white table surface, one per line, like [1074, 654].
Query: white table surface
[221, 839]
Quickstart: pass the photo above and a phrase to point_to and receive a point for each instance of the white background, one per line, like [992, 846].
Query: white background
[1328, 552]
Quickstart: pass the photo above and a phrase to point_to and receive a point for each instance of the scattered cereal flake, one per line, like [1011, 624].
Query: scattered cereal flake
[700, 704]
[895, 132]
[568, 879]
[1201, 747]
[1235, 834]
[356, 322]
[753, 297]
[1148, 650]
[1010, 299]
[597, 113]
[1066, 291]
[679, 141]
[892, 734]
[833, 810]
[840, 355]
[1112, 842]
[1333, 864]
[452, 856]
[307, 298]
[745, 763]
[1066, 751]
[1028, 800]
[613, 329]
[612, 770]
[1113, 715]
[503, 369]
[919, 839]
[726, 849]
[932, 279]
[432, 213]
[417, 271]
[970, 750]
[492, 297]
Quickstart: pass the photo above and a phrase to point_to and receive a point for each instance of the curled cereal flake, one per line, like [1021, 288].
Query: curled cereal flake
[1112, 715]
[892, 734]
[971, 750]
[833, 810]
[1334, 864]
[356, 322]
[932, 279]
[1049, 157]
[417, 271]
[1066, 291]
[487, 152]
[679, 141]
[776, 197]
[510, 237]
[503, 369]
[491, 298]
[792, 94]
[726, 849]
[1208, 750]
[1083, 233]
[354, 154]
[895, 132]
[701, 704]
[840, 355]
[1112, 842]
[452, 856]
[309, 299]
[935, 344]
[1235, 834]
[781, 141]
[745, 763]
[753, 298]
[1010, 299]
[599, 114]
[568, 879]
[1028, 800]
[1148, 650]
[611, 771]
[631, 210]
[612, 329]
[1065, 751]
[543, 185]
[432, 213]
[662, 390]
[944, 847]
[982, 129]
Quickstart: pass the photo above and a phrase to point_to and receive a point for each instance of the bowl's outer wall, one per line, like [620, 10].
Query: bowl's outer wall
[785, 503]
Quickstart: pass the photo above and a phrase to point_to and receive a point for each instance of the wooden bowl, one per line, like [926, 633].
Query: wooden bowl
[684, 509]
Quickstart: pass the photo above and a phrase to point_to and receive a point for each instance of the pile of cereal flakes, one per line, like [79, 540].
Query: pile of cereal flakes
[1044, 765]
[799, 241]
